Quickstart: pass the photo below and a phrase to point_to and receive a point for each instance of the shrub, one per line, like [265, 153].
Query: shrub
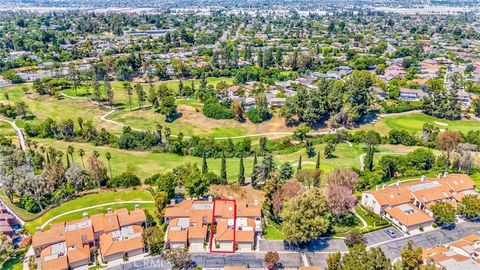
[125, 179]
[213, 109]
[255, 116]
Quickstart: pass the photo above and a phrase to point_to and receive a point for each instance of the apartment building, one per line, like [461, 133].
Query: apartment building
[409, 205]
[463, 254]
[190, 222]
[68, 245]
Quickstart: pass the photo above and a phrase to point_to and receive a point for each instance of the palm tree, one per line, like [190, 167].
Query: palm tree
[167, 134]
[81, 153]
[109, 156]
[159, 133]
[70, 151]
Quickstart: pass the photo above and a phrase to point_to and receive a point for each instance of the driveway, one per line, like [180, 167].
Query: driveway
[380, 236]
[430, 239]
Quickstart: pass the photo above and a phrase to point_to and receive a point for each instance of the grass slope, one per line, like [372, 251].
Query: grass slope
[86, 201]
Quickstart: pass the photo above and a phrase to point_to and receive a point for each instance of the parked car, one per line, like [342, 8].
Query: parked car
[391, 233]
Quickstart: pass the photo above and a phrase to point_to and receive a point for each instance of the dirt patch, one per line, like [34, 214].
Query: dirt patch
[237, 192]
[195, 117]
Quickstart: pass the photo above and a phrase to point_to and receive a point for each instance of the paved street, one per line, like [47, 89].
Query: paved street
[381, 236]
[318, 259]
[320, 245]
[430, 239]
[317, 251]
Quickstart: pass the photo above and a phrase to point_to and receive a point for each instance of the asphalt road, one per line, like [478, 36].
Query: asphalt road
[316, 252]
[380, 236]
[320, 245]
[430, 239]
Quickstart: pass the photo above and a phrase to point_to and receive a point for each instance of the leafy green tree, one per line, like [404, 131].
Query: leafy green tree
[153, 238]
[470, 207]
[179, 258]
[128, 89]
[329, 149]
[141, 96]
[411, 257]
[444, 213]
[286, 171]
[301, 132]
[168, 106]
[305, 217]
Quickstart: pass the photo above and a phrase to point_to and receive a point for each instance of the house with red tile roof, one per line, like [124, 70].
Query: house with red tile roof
[463, 254]
[409, 205]
[189, 222]
[68, 245]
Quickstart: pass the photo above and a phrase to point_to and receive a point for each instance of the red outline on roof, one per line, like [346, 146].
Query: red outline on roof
[234, 226]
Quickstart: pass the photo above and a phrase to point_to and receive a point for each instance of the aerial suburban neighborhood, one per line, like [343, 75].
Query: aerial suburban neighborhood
[199, 134]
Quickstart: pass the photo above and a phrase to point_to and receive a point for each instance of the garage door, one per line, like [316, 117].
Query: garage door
[244, 247]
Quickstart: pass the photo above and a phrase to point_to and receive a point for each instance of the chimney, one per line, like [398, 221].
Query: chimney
[423, 178]
[39, 229]
[85, 215]
[439, 175]
[255, 202]
[109, 210]
[397, 183]
[445, 174]
[137, 206]
[210, 198]
[172, 202]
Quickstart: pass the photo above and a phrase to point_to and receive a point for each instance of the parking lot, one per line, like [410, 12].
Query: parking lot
[320, 245]
[431, 239]
[381, 236]
[318, 259]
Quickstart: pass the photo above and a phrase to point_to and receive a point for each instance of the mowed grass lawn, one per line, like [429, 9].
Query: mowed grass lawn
[148, 120]
[147, 163]
[120, 95]
[415, 122]
[87, 201]
[57, 108]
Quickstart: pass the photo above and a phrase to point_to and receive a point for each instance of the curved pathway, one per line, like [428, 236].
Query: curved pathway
[286, 133]
[21, 138]
[91, 207]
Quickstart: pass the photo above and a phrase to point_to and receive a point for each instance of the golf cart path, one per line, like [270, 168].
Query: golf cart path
[21, 138]
[91, 207]
[286, 133]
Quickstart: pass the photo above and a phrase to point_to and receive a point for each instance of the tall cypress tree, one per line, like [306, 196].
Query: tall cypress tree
[317, 165]
[368, 164]
[299, 167]
[241, 173]
[254, 175]
[204, 164]
[223, 168]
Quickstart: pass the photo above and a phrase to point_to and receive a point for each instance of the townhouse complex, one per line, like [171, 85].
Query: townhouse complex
[409, 205]
[463, 254]
[67, 245]
[235, 225]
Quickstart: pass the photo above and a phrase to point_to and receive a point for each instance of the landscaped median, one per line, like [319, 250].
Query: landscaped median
[114, 199]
